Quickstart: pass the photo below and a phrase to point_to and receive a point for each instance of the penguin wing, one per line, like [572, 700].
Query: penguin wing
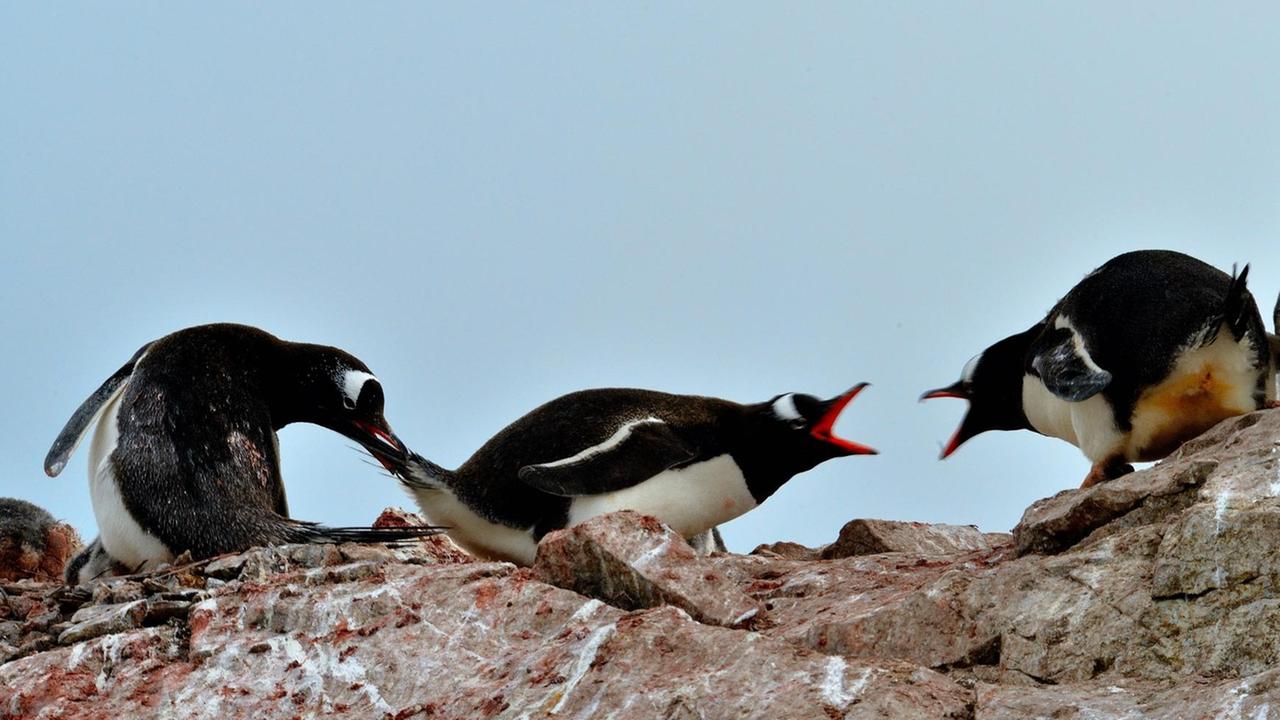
[86, 414]
[1064, 366]
[636, 452]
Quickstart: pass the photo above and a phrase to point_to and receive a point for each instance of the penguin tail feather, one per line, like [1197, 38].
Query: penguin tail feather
[1275, 317]
[1235, 306]
[321, 534]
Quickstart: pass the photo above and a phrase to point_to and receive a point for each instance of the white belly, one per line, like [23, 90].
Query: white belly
[473, 533]
[122, 537]
[691, 500]
[1089, 425]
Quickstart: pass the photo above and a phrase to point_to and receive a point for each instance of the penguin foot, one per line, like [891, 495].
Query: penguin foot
[1271, 404]
[1109, 469]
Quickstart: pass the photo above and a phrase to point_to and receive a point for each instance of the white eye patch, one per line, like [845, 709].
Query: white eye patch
[967, 373]
[351, 383]
[785, 408]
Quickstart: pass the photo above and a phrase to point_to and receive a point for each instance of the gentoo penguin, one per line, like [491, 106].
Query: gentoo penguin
[693, 462]
[184, 457]
[32, 544]
[1148, 351]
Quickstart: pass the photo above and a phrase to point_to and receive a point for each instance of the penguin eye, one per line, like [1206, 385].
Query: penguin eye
[798, 423]
[348, 403]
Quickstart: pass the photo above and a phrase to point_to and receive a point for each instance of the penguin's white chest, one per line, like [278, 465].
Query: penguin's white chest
[691, 500]
[473, 533]
[121, 535]
[1089, 425]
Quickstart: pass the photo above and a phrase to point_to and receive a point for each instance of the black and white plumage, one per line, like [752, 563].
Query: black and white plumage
[693, 462]
[1146, 352]
[184, 454]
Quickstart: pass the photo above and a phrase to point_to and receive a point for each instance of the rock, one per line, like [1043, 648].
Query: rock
[788, 550]
[33, 545]
[633, 561]
[1257, 696]
[868, 537]
[99, 620]
[474, 640]
[1153, 595]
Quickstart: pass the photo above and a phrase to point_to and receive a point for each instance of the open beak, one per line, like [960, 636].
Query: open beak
[382, 444]
[823, 429]
[964, 432]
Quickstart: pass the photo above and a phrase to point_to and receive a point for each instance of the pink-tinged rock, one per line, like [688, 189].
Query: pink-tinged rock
[1054, 524]
[869, 537]
[1257, 696]
[434, 548]
[633, 561]
[116, 676]
[787, 551]
[888, 605]
[478, 640]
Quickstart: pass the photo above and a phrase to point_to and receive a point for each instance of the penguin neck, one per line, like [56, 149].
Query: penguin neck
[427, 475]
[1003, 371]
[769, 458]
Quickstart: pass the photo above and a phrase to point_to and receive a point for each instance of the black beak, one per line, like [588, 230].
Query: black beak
[376, 437]
[956, 389]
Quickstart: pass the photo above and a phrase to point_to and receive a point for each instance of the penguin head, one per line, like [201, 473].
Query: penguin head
[340, 393]
[992, 383]
[801, 428]
[92, 563]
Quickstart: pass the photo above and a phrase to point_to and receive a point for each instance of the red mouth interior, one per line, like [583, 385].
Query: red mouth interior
[951, 445]
[823, 430]
[943, 394]
[386, 438]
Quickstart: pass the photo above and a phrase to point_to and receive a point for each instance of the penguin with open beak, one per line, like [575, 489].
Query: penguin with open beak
[1149, 350]
[693, 462]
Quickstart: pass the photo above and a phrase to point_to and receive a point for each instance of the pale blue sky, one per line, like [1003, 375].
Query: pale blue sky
[493, 205]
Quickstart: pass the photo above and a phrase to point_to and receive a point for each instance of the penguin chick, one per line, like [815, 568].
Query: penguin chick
[32, 544]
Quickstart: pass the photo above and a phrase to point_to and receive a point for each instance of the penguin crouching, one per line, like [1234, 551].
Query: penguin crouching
[1149, 350]
[693, 462]
[184, 457]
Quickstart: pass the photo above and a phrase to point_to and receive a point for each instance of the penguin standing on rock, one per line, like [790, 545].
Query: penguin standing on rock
[1148, 351]
[692, 462]
[184, 455]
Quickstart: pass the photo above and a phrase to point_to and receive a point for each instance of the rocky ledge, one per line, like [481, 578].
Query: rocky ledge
[1154, 595]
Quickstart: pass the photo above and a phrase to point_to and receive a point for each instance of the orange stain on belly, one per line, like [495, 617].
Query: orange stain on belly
[1182, 408]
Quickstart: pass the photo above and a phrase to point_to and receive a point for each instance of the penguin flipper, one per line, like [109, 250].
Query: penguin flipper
[307, 532]
[85, 415]
[1065, 368]
[636, 452]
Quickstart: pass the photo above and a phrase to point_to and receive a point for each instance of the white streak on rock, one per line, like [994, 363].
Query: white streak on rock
[585, 657]
[833, 689]
[587, 610]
